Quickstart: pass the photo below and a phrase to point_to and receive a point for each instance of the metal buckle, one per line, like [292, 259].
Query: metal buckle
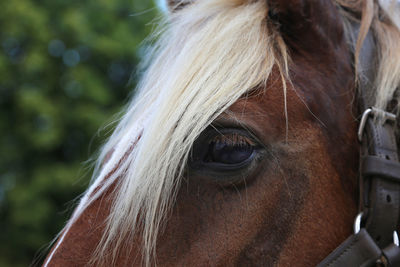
[395, 238]
[373, 111]
[357, 228]
[357, 223]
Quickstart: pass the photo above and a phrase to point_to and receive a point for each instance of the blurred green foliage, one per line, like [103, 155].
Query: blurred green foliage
[64, 71]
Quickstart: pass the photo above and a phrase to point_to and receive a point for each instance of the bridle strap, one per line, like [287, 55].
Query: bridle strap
[361, 250]
[381, 197]
[357, 250]
[373, 166]
[379, 180]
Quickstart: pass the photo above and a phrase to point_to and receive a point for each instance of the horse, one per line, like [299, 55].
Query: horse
[240, 145]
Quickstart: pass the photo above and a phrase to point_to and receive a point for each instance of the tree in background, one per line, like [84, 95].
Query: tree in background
[64, 72]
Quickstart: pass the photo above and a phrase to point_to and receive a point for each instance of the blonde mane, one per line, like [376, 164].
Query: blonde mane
[383, 18]
[207, 56]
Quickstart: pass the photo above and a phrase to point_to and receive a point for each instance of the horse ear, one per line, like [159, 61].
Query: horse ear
[307, 25]
[174, 5]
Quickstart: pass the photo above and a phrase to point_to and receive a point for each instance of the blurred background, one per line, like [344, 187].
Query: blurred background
[65, 70]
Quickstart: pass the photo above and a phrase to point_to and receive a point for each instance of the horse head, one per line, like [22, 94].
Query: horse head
[240, 146]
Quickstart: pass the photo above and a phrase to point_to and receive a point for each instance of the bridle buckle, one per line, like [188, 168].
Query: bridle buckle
[387, 116]
[357, 228]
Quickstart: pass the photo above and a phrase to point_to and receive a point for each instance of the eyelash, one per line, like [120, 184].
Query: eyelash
[232, 139]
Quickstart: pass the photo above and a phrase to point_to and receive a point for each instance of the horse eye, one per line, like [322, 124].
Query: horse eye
[226, 155]
[224, 151]
[231, 149]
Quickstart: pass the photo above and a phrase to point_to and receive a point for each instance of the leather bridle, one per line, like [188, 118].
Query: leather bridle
[375, 241]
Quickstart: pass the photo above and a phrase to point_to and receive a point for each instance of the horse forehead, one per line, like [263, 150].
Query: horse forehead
[311, 96]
